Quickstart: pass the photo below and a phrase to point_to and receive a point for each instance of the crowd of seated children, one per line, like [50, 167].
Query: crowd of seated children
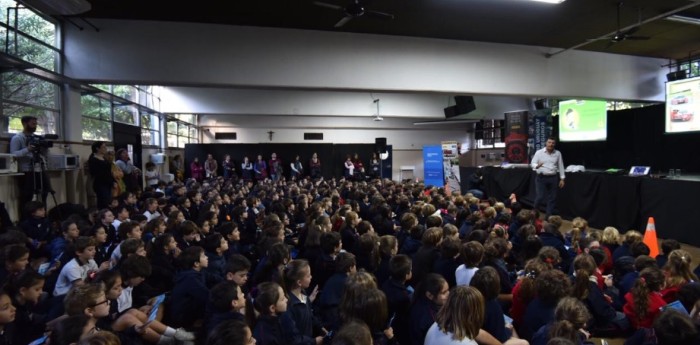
[302, 261]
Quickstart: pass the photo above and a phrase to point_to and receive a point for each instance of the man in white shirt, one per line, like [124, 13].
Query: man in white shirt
[549, 166]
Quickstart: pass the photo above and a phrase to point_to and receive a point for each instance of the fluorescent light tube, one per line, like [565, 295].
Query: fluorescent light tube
[550, 1]
[684, 19]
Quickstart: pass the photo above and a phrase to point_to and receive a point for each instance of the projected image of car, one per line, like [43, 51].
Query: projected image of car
[681, 115]
[679, 100]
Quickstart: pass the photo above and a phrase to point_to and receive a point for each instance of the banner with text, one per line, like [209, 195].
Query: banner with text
[450, 161]
[516, 132]
[432, 165]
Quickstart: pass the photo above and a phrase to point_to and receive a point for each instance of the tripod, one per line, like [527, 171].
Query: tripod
[41, 182]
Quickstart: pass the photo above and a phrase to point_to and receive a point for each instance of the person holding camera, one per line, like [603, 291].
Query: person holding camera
[29, 152]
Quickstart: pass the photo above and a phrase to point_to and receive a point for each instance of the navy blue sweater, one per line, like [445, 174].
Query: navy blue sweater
[188, 298]
[422, 316]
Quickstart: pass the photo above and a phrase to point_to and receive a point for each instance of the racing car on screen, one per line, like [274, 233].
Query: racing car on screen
[681, 115]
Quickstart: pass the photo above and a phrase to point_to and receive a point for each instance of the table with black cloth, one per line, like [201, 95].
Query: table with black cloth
[608, 200]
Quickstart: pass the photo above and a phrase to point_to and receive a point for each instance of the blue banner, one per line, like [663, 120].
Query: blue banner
[540, 131]
[432, 165]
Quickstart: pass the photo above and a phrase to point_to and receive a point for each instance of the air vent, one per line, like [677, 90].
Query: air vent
[313, 136]
[225, 136]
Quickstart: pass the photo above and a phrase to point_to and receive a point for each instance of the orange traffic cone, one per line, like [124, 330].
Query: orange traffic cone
[650, 238]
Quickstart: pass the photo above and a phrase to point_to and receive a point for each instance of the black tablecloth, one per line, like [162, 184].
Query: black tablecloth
[608, 200]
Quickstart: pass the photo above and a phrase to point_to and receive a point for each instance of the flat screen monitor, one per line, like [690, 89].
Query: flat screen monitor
[583, 120]
[683, 106]
[639, 171]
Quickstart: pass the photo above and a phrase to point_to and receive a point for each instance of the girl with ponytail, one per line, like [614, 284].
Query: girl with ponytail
[643, 302]
[586, 290]
[678, 273]
[524, 289]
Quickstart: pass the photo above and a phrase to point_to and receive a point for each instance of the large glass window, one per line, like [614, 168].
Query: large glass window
[24, 95]
[97, 118]
[33, 38]
[28, 35]
[150, 129]
[181, 130]
[119, 103]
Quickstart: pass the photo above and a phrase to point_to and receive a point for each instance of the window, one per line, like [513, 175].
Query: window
[150, 129]
[97, 118]
[24, 95]
[28, 35]
[120, 103]
[34, 39]
[181, 130]
[692, 67]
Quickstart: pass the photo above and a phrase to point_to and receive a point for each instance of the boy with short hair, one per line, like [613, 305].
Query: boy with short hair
[36, 226]
[76, 270]
[190, 293]
[126, 231]
[215, 246]
[325, 264]
[237, 269]
[188, 235]
[122, 215]
[226, 302]
[329, 300]
[398, 295]
[69, 232]
[151, 209]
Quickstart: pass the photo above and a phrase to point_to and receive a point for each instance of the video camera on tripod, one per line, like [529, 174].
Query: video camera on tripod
[41, 142]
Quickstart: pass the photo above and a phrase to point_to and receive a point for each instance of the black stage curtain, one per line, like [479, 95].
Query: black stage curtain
[608, 200]
[635, 137]
[332, 156]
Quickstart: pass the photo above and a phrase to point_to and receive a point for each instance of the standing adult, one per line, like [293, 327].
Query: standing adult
[297, 168]
[196, 170]
[28, 157]
[177, 168]
[359, 167]
[260, 168]
[247, 169]
[101, 171]
[131, 173]
[375, 165]
[315, 166]
[119, 187]
[549, 166]
[349, 167]
[276, 169]
[210, 166]
[229, 167]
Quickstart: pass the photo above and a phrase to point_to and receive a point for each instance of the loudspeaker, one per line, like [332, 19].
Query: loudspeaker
[479, 130]
[380, 145]
[677, 75]
[451, 111]
[541, 104]
[465, 104]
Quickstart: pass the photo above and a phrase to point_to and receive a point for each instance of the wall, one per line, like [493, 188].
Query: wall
[229, 101]
[166, 53]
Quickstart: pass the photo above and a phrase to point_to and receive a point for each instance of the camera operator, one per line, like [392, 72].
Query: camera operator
[21, 147]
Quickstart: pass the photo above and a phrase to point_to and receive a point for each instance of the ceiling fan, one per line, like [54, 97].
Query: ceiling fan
[620, 35]
[355, 9]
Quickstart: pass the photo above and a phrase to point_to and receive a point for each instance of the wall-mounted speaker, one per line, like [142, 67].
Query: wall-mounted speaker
[677, 75]
[451, 111]
[541, 104]
[380, 145]
[465, 104]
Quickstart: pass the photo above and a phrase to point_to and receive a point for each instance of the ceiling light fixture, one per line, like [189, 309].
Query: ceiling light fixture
[684, 19]
[550, 1]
